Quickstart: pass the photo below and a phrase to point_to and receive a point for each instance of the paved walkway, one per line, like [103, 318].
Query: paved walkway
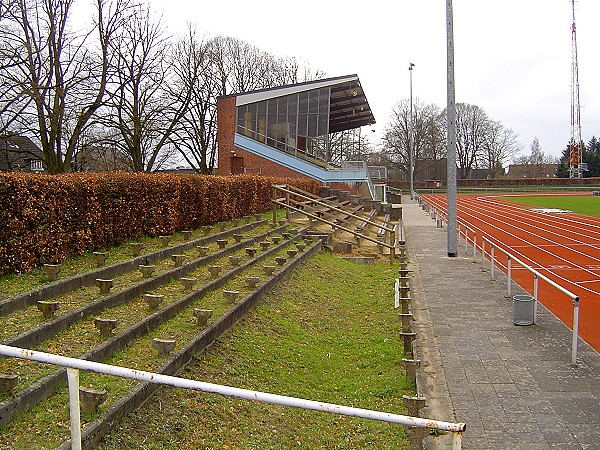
[511, 385]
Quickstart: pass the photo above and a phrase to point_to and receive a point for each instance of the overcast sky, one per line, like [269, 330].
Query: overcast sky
[512, 57]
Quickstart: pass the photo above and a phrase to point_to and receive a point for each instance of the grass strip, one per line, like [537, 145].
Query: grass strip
[582, 204]
[327, 333]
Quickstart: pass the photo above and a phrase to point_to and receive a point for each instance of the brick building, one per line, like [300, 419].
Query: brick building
[284, 131]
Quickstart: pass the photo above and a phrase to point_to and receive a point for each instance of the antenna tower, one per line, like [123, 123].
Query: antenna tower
[576, 166]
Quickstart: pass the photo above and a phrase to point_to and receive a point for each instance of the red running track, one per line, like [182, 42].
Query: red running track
[565, 247]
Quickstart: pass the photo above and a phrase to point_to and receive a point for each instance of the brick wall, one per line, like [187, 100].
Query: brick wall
[225, 130]
[226, 127]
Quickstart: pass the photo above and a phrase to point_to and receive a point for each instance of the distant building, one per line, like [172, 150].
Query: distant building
[485, 174]
[532, 170]
[97, 158]
[20, 154]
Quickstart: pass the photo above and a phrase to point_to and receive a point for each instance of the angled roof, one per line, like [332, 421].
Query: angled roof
[348, 109]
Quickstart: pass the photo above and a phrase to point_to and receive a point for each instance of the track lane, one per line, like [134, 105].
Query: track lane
[565, 248]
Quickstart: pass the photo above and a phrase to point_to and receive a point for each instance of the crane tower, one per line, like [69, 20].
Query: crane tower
[576, 165]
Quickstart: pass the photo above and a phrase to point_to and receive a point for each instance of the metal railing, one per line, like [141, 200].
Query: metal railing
[286, 203]
[74, 365]
[441, 215]
[536, 277]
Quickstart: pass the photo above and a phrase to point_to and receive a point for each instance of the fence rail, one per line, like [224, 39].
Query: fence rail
[439, 214]
[290, 191]
[74, 365]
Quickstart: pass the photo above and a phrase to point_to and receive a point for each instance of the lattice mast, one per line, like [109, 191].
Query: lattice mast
[576, 166]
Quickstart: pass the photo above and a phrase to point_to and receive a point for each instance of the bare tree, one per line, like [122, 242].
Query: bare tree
[144, 103]
[55, 81]
[500, 145]
[220, 66]
[241, 67]
[472, 130]
[348, 145]
[427, 138]
[194, 136]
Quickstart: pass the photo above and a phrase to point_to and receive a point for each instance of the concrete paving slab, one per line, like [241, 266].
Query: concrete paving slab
[512, 385]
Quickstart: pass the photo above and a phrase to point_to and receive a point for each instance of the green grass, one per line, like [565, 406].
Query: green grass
[582, 204]
[327, 333]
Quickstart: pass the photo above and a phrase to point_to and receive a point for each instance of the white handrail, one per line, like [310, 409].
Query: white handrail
[536, 277]
[81, 364]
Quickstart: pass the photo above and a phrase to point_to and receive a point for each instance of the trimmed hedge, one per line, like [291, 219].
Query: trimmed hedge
[44, 218]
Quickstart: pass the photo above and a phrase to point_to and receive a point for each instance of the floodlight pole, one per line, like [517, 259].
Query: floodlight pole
[411, 163]
[451, 149]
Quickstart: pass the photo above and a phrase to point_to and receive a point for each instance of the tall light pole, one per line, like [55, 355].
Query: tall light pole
[451, 149]
[411, 169]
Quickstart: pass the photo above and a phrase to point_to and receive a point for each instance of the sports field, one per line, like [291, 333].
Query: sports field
[582, 204]
[565, 247]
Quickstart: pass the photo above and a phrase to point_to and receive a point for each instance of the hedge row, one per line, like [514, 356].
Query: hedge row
[43, 218]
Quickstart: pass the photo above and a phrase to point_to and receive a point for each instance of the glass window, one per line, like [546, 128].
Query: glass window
[250, 121]
[261, 121]
[294, 123]
[303, 102]
[323, 126]
[36, 165]
[281, 109]
[241, 118]
[324, 101]
[313, 102]
[271, 121]
[312, 126]
[272, 108]
[302, 124]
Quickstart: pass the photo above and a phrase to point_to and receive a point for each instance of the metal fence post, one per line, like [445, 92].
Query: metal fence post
[482, 254]
[73, 382]
[474, 246]
[456, 440]
[536, 283]
[509, 271]
[575, 331]
[492, 261]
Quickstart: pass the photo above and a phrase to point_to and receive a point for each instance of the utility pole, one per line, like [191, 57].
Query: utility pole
[411, 162]
[451, 150]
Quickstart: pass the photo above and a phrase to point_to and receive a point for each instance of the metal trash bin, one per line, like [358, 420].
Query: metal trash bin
[523, 309]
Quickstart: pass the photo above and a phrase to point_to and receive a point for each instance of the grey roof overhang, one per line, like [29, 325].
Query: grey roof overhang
[348, 108]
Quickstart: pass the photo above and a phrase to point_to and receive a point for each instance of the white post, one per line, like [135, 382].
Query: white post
[536, 283]
[456, 440]
[73, 382]
[474, 246]
[483, 254]
[509, 270]
[575, 331]
[492, 261]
